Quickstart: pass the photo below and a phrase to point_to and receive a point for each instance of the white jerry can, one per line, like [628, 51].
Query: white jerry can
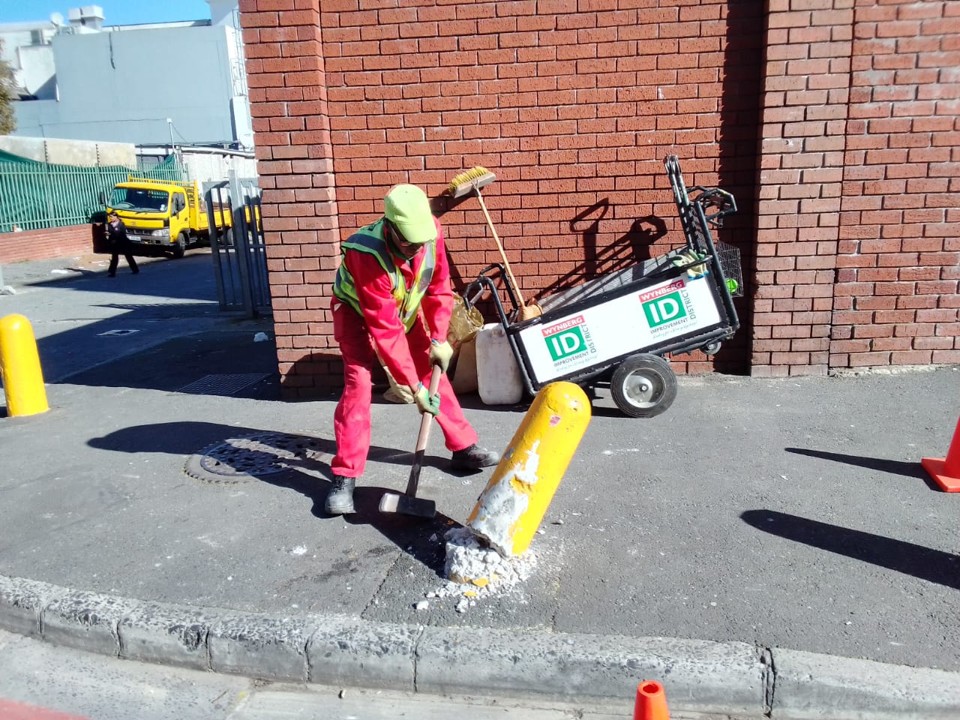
[498, 375]
[464, 379]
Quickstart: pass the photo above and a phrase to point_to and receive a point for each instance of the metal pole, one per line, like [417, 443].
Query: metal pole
[217, 247]
[241, 241]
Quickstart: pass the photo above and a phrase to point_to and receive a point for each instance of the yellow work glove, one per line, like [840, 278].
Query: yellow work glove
[440, 353]
[426, 403]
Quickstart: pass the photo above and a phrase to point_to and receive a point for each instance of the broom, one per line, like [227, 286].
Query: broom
[470, 181]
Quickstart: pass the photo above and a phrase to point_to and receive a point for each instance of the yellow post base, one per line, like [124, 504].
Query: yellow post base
[20, 368]
[511, 508]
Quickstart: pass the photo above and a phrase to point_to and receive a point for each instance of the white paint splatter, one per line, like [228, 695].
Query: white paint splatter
[477, 571]
[501, 505]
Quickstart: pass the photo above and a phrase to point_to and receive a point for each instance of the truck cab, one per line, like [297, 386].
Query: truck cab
[162, 215]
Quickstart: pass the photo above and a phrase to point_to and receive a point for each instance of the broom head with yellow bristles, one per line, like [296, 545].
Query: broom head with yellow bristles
[470, 180]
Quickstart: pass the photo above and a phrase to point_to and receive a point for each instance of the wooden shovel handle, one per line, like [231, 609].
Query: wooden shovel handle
[426, 420]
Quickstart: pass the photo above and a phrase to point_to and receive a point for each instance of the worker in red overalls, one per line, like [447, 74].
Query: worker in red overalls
[392, 304]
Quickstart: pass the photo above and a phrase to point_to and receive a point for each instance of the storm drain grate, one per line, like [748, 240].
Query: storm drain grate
[245, 458]
[229, 384]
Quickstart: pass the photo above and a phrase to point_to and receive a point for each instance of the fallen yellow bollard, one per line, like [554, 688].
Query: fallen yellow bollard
[20, 368]
[510, 509]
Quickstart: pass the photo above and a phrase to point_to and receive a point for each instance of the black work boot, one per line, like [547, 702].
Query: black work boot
[340, 497]
[473, 458]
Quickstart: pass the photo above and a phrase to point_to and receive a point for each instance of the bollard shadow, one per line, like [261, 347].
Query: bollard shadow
[303, 472]
[896, 467]
[904, 557]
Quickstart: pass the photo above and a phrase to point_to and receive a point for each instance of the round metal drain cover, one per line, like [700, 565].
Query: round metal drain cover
[254, 456]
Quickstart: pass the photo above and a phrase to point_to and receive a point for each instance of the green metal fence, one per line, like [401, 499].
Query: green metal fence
[36, 195]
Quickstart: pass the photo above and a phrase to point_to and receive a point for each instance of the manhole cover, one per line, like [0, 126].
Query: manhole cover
[241, 459]
[224, 384]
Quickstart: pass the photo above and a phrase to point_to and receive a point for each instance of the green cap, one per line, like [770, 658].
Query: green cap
[408, 208]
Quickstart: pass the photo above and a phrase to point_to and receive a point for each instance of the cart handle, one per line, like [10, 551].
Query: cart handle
[514, 302]
[717, 198]
[479, 286]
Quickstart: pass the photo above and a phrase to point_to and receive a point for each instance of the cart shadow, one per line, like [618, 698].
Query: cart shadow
[904, 557]
[632, 248]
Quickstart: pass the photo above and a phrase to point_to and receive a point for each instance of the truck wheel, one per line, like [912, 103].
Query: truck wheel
[643, 386]
[181, 246]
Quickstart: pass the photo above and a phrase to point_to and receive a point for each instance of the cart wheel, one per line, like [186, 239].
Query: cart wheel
[712, 349]
[643, 386]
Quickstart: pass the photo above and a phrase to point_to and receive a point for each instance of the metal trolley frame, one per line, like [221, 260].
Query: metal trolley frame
[617, 327]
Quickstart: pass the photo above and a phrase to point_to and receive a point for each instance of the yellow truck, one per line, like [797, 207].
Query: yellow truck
[165, 215]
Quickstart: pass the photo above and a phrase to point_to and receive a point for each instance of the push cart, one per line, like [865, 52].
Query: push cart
[617, 327]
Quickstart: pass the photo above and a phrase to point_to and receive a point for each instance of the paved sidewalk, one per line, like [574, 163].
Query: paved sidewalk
[764, 546]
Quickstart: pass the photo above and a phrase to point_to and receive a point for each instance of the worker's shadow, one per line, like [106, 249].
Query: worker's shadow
[231, 454]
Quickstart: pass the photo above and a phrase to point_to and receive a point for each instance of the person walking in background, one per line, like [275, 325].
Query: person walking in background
[119, 243]
[392, 303]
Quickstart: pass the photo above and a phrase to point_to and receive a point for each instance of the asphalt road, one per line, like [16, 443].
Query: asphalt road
[781, 513]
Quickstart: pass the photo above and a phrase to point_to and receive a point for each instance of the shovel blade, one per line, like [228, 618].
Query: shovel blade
[406, 505]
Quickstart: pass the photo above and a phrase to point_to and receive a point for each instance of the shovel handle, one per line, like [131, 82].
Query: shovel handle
[425, 423]
[426, 419]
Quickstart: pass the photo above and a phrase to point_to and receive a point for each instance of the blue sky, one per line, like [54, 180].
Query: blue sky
[116, 12]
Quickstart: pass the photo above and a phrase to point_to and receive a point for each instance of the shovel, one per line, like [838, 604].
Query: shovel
[409, 503]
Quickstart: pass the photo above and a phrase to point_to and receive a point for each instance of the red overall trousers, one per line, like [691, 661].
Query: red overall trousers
[351, 420]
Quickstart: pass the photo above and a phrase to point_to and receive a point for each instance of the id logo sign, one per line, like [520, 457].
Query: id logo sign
[665, 304]
[664, 309]
[566, 339]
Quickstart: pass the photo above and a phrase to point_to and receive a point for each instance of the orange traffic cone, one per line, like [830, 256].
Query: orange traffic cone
[651, 702]
[946, 471]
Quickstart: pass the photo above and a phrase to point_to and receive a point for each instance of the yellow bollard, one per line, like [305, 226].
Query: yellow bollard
[510, 509]
[20, 368]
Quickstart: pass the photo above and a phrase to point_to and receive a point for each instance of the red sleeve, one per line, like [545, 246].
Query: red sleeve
[375, 293]
[437, 304]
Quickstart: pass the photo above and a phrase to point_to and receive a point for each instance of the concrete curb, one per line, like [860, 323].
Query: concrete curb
[341, 650]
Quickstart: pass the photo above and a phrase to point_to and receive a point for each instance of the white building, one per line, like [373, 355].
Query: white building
[178, 83]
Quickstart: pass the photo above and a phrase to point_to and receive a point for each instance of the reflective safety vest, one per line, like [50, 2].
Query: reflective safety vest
[370, 239]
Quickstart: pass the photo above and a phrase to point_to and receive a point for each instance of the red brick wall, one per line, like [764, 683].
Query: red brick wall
[899, 253]
[574, 112]
[806, 80]
[857, 227]
[44, 244]
[288, 97]
[833, 122]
